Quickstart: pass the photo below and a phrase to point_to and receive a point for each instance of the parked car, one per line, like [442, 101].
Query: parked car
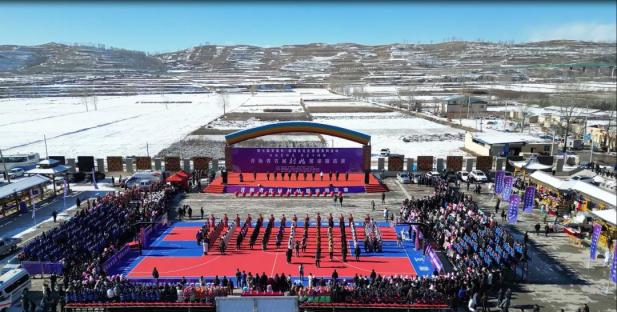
[463, 175]
[415, 178]
[16, 173]
[450, 176]
[433, 174]
[478, 176]
[384, 152]
[403, 177]
[8, 245]
[13, 283]
[581, 178]
[145, 184]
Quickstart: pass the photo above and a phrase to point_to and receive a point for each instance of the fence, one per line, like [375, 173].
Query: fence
[38, 267]
[128, 165]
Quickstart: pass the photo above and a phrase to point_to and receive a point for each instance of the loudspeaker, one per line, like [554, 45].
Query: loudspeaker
[224, 175]
[366, 176]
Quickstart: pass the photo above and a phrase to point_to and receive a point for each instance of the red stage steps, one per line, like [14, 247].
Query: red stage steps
[376, 188]
[214, 188]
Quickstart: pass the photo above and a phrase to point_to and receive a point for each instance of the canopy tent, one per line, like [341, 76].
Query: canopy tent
[22, 185]
[584, 188]
[530, 165]
[180, 178]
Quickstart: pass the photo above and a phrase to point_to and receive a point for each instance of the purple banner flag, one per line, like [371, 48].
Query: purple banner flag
[595, 235]
[515, 200]
[614, 266]
[530, 194]
[507, 188]
[499, 181]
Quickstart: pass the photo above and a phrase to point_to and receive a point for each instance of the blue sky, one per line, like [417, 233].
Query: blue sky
[163, 27]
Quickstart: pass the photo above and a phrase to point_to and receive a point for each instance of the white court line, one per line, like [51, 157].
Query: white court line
[182, 269]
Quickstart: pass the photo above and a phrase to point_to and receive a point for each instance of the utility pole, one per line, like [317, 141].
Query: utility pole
[6, 173]
[45, 139]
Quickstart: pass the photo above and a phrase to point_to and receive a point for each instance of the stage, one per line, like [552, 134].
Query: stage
[254, 184]
[175, 254]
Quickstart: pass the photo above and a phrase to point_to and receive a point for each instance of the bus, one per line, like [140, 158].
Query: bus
[23, 161]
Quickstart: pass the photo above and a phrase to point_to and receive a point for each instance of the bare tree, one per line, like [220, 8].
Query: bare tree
[525, 111]
[612, 101]
[568, 114]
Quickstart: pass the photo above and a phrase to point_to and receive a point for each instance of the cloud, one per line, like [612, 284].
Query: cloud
[576, 31]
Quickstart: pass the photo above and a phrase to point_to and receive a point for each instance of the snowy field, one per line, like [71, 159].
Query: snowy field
[388, 130]
[136, 125]
[119, 126]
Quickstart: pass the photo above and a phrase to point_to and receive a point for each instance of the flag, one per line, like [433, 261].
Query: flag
[507, 188]
[505, 150]
[513, 210]
[66, 188]
[530, 194]
[33, 205]
[614, 266]
[96, 187]
[499, 181]
[595, 235]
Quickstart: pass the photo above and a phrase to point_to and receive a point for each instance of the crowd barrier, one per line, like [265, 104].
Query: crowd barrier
[144, 235]
[38, 267]
[119, 255]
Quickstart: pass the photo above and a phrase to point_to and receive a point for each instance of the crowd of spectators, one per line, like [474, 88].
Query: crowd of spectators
[118, 289]
[478, 248]
[87, 240]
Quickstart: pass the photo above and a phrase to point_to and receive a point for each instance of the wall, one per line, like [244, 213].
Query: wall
[474, 147]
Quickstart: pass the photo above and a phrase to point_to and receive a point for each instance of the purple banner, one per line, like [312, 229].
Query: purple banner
[111, 262]
[614, 266]
[507, 188]
[36, 267]
[297, 159]
[595, 235]
[434, 258]
[513, 210]
[530, 194]
[499, 175]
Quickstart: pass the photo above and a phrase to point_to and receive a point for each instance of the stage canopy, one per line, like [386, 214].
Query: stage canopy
[297, 126]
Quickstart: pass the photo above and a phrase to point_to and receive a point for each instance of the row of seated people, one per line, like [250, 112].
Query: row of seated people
[117, 289]
[476, 246]
[84, 242]
[262, 192]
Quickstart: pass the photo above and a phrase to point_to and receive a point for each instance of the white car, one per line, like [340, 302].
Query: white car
[16, 173]
[403, 177]
[478, 176]
[463, 175]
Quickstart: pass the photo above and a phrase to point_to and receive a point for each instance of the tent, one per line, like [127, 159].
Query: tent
[180, 178]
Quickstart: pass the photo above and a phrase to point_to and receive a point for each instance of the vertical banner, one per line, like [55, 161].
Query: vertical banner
[507, 188]
[33, 207]
[499, 175]
[595, 235]
[513, 210]
[96, 187]
[530, 194]
[614, 266]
